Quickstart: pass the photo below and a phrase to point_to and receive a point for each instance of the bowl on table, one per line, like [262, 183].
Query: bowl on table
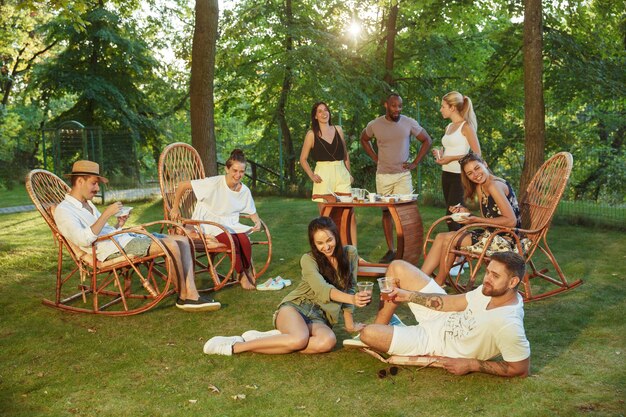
[344, 198]
[408, 197]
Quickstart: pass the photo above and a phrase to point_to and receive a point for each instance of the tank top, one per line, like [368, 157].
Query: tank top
[454, 144]
[490, 209]
[324, 151]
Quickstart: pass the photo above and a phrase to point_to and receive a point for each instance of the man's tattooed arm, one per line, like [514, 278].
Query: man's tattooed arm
[432, 301]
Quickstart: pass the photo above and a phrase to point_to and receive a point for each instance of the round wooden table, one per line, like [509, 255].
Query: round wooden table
[406, 218]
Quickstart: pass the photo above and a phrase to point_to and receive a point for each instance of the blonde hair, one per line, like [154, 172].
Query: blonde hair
[464, 105]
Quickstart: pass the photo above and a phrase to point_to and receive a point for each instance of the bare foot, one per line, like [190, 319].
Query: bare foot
[245, 282]
[251, 275]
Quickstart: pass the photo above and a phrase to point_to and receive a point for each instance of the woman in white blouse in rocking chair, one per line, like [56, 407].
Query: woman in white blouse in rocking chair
[222, 199]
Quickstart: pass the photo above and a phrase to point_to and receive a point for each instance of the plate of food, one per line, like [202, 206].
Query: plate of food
[460, 216]
[124, 211]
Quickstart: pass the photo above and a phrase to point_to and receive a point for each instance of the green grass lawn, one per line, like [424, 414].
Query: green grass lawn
[15, 197]
[60, 364]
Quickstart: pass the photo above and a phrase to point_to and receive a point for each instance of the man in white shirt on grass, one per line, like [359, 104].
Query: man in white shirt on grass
[466, 331]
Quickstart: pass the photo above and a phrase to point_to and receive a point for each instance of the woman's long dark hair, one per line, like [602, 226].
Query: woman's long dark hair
[341, 277]
[315, 125]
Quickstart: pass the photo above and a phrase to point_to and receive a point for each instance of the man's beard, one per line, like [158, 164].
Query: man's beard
[492, 292]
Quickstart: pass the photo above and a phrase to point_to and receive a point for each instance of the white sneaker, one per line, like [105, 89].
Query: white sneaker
[221, 345]
[255, 334]
[355, 342]
[270, 285]
[285, 281]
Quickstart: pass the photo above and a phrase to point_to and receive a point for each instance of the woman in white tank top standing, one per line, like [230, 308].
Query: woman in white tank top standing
[459, 139]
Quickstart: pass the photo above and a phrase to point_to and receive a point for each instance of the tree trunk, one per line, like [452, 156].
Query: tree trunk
[391, 43]
[201, 85]
[290, 157]
[534, 109]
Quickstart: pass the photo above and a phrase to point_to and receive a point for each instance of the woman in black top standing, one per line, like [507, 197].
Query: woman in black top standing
[326, 145]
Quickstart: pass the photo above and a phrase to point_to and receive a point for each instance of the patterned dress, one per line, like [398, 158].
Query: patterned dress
[490, 210]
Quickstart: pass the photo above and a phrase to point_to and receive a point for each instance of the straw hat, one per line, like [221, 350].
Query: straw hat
[87, 168]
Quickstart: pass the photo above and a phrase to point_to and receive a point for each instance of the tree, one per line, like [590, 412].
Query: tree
[390, 42]
[284, 93]
[201, 85]
[534, 109]
[104, 66]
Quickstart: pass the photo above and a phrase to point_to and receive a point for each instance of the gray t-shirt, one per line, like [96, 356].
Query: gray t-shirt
[393, 140]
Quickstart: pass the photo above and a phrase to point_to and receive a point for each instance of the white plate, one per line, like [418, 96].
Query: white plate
[459, 216]
[124, 211]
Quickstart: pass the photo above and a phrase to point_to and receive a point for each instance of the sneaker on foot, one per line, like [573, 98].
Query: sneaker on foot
[388, 257]
[255, 334]
[395, 321]
[221, 345]
[201, 304]
[355, 342]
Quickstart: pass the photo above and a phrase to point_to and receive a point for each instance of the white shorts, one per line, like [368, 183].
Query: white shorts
[400, 183]
[418, 340]
[335, 178]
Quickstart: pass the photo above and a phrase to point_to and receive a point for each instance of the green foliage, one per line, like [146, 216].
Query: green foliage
[125, 66]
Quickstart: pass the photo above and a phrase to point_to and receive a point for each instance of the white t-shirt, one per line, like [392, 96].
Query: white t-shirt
[219, 204]
[480, 333]
[393, 140]
[454, 144]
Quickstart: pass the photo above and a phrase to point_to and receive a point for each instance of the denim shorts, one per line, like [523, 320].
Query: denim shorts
[310, 312]
[137, 246]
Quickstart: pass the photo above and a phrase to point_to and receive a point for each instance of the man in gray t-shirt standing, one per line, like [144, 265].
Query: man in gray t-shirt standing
[393, 133]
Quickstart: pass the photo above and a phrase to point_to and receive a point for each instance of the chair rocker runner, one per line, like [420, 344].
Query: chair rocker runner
[181, 162]
[122, 286]
[537, 209]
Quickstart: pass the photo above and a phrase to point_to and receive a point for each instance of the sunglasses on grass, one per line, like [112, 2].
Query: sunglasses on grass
[383, 373]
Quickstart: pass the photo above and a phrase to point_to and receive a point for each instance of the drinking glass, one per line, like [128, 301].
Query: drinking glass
[386, 285]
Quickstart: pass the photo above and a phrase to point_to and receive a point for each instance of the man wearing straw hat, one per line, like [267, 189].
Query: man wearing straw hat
[81, 223]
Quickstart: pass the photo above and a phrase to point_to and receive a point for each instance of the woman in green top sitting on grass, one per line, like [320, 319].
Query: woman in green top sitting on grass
[305, 317]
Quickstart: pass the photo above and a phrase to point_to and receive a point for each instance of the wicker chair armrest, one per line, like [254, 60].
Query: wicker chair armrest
[497, 230]
[248, 216]
[140, 230]
[431, 230]
[197, 223]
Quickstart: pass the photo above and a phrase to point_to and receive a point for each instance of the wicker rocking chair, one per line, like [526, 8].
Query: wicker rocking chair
[122, 286]
[537, 209]
[181, 162]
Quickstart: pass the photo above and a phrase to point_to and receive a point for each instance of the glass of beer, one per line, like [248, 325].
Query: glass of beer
[386, 285]
[365, 287]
